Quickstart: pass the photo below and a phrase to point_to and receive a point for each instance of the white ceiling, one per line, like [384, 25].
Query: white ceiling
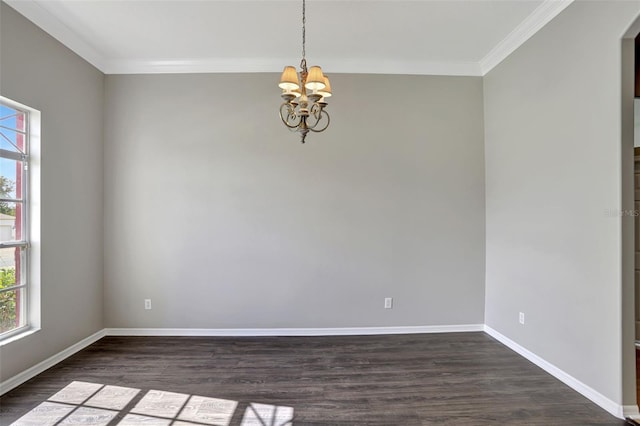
[448, 37]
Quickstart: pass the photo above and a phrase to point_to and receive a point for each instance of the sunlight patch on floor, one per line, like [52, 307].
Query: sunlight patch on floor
[263, 414]
[98, 405]
[160, 404]
[112, 397]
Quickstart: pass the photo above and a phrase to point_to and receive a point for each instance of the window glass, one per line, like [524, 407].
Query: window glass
[14, 246]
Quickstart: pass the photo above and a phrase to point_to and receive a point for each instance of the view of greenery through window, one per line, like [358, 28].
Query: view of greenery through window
[14, 157]
[7, 273]
[7, 186]
[7, 300]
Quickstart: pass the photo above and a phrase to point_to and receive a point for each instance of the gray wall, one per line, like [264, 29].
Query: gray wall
[40, 72]
[552, 148]
[220, 216]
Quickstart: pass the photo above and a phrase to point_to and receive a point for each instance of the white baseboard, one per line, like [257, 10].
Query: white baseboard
[590, 393]
[20, 378]
[631, 411]
[587, 391]
[244, 332]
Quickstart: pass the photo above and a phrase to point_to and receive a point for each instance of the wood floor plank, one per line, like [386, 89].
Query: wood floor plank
[420, 379]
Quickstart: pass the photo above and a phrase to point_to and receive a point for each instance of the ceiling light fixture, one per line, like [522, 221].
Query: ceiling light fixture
[308, 112]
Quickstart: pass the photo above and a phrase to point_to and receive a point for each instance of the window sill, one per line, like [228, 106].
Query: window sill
[18, 336]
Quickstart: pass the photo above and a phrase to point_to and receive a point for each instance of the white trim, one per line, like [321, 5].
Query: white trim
[243, 332]
[255, 65]
[540, 17]
[586, 391]
[631, 411]
[20, 378]
[36, 12]
[27, 331]
[615, 409]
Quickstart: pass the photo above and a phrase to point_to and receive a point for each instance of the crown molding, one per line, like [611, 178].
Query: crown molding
[186, 66]
[257, 65]
[37, 13]
[540, 17]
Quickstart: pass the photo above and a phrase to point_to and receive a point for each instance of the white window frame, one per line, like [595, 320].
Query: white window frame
[30, 242]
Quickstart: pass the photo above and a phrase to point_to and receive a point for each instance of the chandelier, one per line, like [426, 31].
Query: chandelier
[303, 109]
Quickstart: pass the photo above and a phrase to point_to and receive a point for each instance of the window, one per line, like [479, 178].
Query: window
[14, 218]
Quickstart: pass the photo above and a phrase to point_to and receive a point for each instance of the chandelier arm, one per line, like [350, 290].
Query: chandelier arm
[316, 119]
[290, 114]
[317, 113]
[322, 113]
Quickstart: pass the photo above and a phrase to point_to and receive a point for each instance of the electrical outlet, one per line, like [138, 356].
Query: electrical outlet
[147, 303]
[388, 302]
[521, 318]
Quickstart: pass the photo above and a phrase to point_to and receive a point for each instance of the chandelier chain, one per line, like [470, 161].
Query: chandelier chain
[304, 33]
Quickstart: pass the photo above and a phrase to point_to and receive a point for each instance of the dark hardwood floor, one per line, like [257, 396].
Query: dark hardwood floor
[420, 379]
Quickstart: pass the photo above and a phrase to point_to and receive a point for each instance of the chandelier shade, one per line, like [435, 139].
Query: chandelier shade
[326, 91]
[304, 112]
[315, 80]
[289, 79]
